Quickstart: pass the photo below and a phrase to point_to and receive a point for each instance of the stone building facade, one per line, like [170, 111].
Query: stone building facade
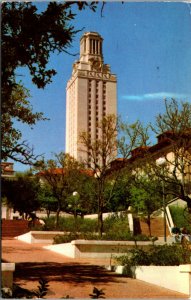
[90, 95]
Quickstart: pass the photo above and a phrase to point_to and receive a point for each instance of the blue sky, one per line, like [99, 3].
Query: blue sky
[148, 46]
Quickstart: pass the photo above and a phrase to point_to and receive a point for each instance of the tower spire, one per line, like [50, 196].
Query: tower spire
[91, 47]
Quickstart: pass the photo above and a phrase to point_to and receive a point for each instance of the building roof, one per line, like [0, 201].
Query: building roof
[164, 141]
[62, 171]
[7, 169]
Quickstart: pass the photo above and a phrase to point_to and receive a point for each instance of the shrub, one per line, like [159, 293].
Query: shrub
[139, 257]
[169, 255]
[116, 228]
[165, 255]
[116, 223]
[67, 238]
[117, 236]
[180, 217]
[70, 224]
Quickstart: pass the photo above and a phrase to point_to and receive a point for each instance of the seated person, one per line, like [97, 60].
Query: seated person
[176, 233]
[185, 234]
[175, 229]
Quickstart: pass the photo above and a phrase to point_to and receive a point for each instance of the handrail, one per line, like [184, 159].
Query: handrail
[169, 219]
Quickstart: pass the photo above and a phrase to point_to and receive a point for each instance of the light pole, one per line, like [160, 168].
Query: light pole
[75, 197]
[162, 162]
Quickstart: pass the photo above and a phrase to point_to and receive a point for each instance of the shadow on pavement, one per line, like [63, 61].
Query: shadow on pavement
[70, 273]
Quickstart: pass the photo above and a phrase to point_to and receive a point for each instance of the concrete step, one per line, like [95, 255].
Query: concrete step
[13, 228]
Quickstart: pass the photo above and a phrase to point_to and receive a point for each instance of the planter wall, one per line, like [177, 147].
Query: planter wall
[176, 278]
[7, 270]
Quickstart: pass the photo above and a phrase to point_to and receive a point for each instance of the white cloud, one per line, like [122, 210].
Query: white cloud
[153, 96]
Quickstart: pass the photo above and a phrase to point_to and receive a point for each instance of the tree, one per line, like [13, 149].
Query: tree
[117, 193]
[102, 153]
[21, 193]
[145, 197]
[82, 200]
[22, 112]
[63, 175]
[46, 199]
[28, 38]
[174, 128]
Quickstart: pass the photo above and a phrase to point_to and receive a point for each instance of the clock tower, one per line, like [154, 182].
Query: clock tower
[90, 94]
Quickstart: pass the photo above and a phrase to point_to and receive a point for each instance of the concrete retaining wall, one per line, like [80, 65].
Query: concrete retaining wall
[94, 248]
[42, 237]
[176, 278]
[7, 270]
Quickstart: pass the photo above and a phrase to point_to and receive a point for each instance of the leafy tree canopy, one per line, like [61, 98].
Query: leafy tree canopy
[64, 175]
[28, 37]
[22, 193]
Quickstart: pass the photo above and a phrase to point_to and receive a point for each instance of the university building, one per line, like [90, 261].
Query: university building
[90, 95]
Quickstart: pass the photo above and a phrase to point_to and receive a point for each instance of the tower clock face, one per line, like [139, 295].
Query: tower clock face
[96, 65]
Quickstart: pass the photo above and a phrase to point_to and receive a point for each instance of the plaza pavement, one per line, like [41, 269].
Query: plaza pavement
[74, 277]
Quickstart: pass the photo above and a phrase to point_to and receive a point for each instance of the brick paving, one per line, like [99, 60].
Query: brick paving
[74, 277]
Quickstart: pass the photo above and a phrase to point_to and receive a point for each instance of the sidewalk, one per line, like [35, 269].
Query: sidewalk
[74, 277]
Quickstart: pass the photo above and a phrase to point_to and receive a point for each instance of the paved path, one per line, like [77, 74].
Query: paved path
[74, 277]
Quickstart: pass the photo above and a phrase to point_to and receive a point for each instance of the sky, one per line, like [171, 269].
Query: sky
[147, 45]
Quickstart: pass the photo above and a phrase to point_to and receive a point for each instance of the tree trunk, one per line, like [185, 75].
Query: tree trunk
[48, 213]
[100, 223]
[57, 217]
[188, 201]
[149, 224]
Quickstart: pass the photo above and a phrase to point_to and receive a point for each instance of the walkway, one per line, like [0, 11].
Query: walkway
[73, 277]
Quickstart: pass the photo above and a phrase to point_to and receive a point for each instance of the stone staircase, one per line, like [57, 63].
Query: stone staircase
[157, 227]
[13, 228]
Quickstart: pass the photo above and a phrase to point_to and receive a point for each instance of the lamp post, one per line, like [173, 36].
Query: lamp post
[75, 197]
[161, 162]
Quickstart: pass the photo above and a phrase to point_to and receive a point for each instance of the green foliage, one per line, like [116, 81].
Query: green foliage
[160, 255]
[116, 222]
[119, 200]
[28, 37]
[139, 257]
[23, 112]
[68, 237]
[117, 228]
[180, 217]
[145, 197]
[22, 192]
[69, 224]
[87, 229]
[18, 292]
[46, 199]
[171, 255]
[64, 175]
